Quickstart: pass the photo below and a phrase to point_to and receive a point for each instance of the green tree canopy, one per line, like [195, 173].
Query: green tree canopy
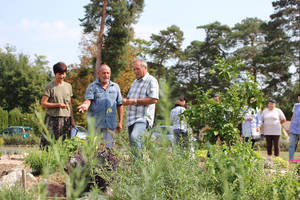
[165, 46]
[21, 82]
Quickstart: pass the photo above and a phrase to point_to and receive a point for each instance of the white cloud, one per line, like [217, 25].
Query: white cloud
[57, 40]
[144, 31]
[50, 31]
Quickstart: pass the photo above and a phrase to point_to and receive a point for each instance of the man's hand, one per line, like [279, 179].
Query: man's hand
[62, 105]
[119, 127]
[249, 118]
[258, 129]
[82, 108]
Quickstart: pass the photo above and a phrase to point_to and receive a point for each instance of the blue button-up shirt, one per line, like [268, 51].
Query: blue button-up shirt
[104, 103]
[295, 124]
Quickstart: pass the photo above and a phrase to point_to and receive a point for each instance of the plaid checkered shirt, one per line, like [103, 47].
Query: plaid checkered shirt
[142, 88]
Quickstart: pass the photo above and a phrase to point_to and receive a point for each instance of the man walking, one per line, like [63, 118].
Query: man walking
[102, 100]
[141, 100]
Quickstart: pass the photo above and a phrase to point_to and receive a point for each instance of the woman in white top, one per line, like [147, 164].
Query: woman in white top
[178, 125]
[272, 119]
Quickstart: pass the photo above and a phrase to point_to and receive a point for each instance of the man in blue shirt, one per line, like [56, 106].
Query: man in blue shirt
[102, 100]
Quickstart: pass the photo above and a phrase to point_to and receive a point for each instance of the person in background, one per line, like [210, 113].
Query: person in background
[216, 98]
[272, 118]
[252, 123]
[102, 100]
[294, 130]
[178, 125]
[141, 99]
[57, 100]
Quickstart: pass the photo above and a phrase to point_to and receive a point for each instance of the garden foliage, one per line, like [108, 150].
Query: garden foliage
[229, 173]
[221, 119]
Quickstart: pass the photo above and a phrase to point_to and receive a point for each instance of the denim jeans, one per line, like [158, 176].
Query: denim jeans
[181, 137]
[294, 138]
[107, 137]
[136, 131]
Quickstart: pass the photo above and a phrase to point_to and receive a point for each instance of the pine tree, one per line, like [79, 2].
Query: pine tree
[120, 15]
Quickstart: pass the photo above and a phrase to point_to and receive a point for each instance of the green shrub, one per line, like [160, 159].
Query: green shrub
[279, 162]
[3, 119]
[48, 159]
[15, 117]
[223, 117]
[37, 160]
[19, 140]
[1, 141]
[298, 169]
[15, 193]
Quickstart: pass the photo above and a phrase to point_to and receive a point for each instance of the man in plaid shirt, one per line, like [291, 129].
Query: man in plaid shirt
[141, 100]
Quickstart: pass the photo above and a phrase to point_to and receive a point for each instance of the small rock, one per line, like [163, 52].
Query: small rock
[15, 176]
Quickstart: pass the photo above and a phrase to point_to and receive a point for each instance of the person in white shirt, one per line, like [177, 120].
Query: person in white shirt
[251, 124]
[178, 125]
[272, 119]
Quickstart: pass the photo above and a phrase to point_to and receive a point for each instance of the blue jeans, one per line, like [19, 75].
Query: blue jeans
[107, 137]
[181, 136]
[136, 131]
[294, 138]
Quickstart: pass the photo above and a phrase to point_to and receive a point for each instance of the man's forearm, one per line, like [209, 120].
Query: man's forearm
[141, 101]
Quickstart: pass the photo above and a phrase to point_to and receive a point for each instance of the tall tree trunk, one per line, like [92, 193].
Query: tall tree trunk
[100, 38]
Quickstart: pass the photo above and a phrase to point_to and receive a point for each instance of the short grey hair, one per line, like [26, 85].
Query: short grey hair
[143, 62]
[102, 65]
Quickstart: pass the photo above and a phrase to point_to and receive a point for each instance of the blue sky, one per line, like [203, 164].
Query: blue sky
[51, 27]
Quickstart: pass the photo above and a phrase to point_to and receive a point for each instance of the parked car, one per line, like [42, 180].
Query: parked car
[80, 132]
[24, 131]
[163, 131]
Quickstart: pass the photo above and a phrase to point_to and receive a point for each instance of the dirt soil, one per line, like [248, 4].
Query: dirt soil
[56, 181]
[10, 162]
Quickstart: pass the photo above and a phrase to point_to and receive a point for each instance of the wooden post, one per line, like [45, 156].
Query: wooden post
[24, 178]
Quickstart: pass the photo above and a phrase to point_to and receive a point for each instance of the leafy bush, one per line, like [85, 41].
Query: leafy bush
[15, 117]
[1, 141]
[37, 160]
[298, 169]
[223, 118]
[279, 162]
[3, 119]
[40, 160]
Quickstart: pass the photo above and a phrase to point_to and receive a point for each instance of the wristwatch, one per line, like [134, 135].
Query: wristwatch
[135, 102]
